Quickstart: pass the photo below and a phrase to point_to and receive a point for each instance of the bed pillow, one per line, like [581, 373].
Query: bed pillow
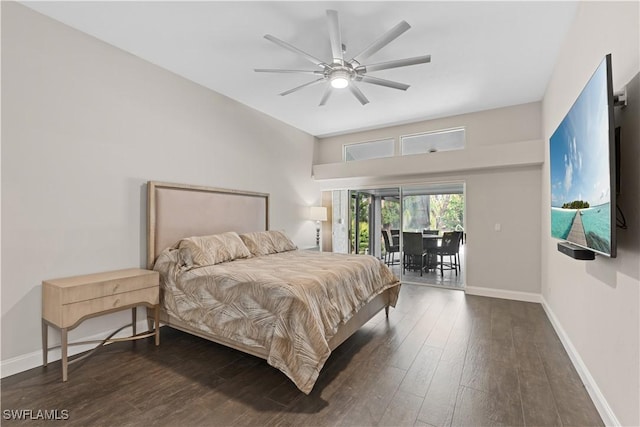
[281, 242]
[267, 242]
[214, 249]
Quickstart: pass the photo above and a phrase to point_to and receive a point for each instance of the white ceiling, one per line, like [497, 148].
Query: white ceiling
[483, 54]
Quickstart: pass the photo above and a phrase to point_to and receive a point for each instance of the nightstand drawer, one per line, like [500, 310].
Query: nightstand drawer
[84, 288]
[71, 313]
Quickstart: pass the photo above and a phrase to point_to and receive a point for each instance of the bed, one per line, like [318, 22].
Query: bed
[261, 296]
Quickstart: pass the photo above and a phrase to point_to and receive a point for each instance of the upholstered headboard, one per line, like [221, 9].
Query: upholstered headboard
[176, 211]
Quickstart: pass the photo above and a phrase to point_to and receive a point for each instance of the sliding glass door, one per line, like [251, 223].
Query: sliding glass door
[375, 222]
[432, 211]
[371, 211]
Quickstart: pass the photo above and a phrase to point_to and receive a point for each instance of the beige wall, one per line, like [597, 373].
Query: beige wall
[597, 303]
[507, 261]
[484, 128]
[84, 126]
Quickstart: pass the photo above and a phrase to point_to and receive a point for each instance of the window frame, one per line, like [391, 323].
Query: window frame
[438, 131]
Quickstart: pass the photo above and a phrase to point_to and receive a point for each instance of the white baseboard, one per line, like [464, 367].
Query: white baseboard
[32, 360]
[504, 294]
[608, 416]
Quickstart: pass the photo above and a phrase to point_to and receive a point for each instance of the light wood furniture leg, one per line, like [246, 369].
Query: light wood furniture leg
[63, 349]
[133, 320]
[45, 343]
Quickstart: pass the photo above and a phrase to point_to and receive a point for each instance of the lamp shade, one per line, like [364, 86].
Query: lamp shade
[318, 213]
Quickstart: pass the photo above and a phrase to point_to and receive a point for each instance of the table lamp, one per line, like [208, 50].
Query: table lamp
[317, 214]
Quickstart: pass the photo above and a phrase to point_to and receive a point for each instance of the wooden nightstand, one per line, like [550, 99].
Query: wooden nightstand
[67, 302]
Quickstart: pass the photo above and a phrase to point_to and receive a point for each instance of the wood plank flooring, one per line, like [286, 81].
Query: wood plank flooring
[440, 359]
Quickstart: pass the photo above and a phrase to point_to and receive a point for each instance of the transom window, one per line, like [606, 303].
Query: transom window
[431, 142]
[369, 150]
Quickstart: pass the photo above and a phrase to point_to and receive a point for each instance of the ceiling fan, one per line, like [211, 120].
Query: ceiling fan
[340, 73]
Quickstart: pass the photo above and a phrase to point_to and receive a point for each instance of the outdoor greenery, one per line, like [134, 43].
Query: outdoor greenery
[436, 212]
[391, 214]
[447, 211]
[442, 212]
[364, 237]
[363, 216]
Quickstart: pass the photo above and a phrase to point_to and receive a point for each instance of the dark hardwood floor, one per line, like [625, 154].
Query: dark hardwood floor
[441, 359]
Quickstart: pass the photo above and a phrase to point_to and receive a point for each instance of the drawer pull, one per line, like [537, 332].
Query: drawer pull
[116, 302]
[115, 288]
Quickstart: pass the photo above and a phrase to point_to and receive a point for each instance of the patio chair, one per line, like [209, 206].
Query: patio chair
[389, 249]
[415, 257]
[450, 247]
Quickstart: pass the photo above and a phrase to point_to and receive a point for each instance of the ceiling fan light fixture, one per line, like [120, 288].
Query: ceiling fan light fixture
[340, 73]
[340, 79]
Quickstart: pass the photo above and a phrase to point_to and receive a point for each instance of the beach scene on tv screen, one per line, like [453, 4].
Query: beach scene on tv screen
[579, 163]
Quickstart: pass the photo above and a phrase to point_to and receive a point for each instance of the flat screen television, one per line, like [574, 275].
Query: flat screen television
[583, 168]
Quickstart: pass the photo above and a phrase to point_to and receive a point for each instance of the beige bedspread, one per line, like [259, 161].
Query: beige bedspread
[289, 304]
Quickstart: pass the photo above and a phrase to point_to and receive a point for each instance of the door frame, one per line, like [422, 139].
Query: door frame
[401, 187]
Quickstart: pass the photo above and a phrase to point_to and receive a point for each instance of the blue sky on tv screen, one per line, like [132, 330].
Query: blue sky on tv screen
[579, 148]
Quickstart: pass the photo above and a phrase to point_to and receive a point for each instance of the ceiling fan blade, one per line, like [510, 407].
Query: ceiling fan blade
[314, 82]
[358, 94]
[394, 64]
[325, 95]
[294, 49]
[382, 41]
[383, 82]
[334, 36]
[275, 70]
